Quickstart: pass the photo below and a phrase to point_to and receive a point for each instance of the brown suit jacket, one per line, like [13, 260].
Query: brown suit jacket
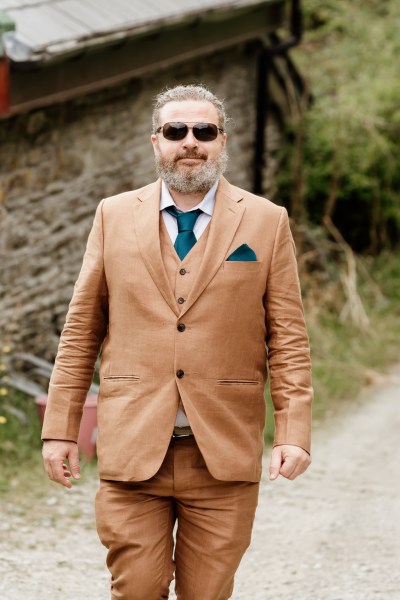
[124, 304]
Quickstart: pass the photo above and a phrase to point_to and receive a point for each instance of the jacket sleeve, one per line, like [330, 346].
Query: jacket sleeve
[80, 342]
[287, 343]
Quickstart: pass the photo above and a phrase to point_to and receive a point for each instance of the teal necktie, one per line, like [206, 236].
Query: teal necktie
[185, 239]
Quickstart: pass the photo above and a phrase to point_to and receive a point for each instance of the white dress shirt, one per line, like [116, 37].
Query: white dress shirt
[207, 206]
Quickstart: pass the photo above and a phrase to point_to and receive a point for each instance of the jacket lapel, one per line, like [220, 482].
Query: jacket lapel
[227, 215]
[147, 222]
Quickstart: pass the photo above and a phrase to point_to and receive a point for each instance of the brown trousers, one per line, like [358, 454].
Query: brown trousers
[135, 521]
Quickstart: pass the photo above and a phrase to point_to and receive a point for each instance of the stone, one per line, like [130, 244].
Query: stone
[36, 122]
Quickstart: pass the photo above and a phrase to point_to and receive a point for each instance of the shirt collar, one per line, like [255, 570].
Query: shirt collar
[206, 205]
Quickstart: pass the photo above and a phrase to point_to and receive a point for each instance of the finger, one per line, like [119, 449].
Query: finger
[46, 465]
[73, 461]
[288, 467]
[294, 466]
[48, 470]
[300, 468]
[58, 473]
[295, 473]
[275, 464]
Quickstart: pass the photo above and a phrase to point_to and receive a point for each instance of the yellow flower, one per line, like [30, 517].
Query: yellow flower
[2, 420]
[3, 391]
[6, 349]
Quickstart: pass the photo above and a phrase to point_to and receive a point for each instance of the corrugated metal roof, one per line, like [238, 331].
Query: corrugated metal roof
[45, 28]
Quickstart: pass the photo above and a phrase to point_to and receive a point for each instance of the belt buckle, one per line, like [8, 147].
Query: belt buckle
[185, 432]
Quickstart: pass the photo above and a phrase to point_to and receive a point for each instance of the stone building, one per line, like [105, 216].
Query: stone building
[76, 90]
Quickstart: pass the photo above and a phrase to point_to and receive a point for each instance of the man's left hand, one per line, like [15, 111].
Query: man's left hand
[289, 461]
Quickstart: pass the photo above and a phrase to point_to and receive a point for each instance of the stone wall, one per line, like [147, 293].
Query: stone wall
[57, 163]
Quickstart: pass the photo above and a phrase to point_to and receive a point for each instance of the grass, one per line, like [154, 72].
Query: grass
[19, 436]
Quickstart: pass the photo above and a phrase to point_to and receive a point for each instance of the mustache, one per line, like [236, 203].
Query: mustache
[192, 154]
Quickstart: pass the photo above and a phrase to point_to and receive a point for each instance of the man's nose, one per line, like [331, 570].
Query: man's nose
[190, 141]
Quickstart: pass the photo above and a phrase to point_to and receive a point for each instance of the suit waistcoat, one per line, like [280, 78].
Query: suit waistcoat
[181, 274]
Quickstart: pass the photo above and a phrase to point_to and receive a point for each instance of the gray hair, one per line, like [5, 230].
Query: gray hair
[188, 92]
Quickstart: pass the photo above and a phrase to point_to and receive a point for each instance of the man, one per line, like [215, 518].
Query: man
[184, 285]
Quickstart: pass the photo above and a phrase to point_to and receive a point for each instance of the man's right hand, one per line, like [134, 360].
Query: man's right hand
[55, 452]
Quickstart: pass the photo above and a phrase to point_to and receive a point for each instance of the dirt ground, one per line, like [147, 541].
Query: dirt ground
[333, 534]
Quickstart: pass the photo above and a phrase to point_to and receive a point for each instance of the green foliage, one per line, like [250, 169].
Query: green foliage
[21, 432]
[350, 134]
[19, 426]
[20, 442]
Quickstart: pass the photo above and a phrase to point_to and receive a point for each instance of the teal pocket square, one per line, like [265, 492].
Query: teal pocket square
[243, 253]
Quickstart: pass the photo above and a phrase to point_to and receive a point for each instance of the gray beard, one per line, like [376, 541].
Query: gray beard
[188, 181]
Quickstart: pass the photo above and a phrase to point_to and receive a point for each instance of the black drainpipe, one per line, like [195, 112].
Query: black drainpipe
[266, 56]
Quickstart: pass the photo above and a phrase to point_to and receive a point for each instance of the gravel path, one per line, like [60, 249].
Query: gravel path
[333, 534]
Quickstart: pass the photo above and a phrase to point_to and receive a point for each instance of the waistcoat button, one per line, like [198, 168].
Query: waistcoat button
[182, 271]
[180, 374]
[181, 327]
[181, 300]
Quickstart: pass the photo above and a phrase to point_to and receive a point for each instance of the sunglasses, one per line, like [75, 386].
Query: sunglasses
[204, 132]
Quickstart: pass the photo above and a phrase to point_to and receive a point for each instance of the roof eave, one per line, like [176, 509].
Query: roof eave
[65, 50]
[101, 67]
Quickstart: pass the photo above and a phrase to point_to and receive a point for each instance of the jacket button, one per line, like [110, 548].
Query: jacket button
[182, 271]
[180, 374]
[181, 327]
[181, 300]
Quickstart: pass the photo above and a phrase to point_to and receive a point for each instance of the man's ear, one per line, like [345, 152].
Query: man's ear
[154, 141]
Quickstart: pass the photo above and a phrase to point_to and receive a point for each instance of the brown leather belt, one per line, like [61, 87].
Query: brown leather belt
[182, 432]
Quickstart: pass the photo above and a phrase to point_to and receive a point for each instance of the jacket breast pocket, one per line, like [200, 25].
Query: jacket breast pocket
[245, 266]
